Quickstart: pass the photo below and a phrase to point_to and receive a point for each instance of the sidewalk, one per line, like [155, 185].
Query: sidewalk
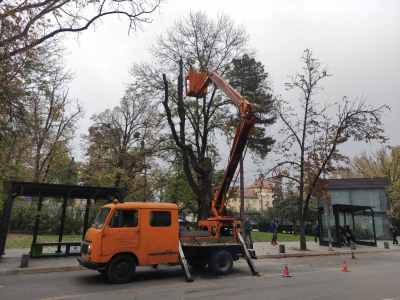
[266, 250]
[9, 264]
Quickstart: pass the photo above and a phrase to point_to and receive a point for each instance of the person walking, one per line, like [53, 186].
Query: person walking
[291, 229]
[248, 229]
[394, 232]
[274, 230]
[341, 236]
[317, 232]
[348, 235]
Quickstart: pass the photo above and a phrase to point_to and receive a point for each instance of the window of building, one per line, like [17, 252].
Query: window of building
[124, 218]
[160, 218]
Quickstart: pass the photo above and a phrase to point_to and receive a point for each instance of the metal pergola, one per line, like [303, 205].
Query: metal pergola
[14, 189]
[352, 211]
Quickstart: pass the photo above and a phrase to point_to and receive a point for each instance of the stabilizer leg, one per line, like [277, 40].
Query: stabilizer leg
[184, 264]
[247, 256]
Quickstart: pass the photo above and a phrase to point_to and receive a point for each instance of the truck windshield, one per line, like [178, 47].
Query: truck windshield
[101, 217]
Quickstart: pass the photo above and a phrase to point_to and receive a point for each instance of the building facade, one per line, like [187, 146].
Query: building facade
[258, 197]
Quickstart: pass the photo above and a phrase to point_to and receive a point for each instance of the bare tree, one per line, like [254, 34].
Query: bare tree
[25, 24]
[311, 138]
[15, 76]
[36, 115]
[203, 43]
[123, 141]
[51, 118]
[13, 143]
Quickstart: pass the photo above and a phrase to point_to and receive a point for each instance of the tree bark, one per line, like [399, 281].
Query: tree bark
[204, 198]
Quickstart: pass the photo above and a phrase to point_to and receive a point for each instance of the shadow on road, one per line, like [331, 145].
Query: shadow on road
[147, 275]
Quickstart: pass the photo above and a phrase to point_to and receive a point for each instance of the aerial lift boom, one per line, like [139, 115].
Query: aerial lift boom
[198, 82]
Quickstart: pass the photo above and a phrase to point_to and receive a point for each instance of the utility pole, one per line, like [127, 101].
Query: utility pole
[241, 175]
[261, 178]
[242, 213]
[145, 172]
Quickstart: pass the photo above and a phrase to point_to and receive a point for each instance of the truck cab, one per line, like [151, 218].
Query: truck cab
[130, 234]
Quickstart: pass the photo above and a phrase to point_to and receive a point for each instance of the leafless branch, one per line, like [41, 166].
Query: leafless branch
[49, 18]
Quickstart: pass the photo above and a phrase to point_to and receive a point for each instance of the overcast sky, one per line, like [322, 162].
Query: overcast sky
[358, 42]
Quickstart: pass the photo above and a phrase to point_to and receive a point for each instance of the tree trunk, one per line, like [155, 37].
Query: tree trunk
[145, 172]
[204, 198]
[303, 243]
[36, 170]
[205, 187]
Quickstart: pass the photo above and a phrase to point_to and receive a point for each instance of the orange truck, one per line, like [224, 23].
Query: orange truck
[130, 234]
[126, 235]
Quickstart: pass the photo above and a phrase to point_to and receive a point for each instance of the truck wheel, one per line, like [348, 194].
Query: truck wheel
[221, 262]
[121, 269]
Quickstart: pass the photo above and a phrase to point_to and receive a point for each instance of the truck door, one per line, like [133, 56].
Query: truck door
[122, 234]
[160, 243]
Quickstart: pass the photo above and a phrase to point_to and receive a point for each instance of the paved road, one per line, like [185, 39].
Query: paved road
[370, 277]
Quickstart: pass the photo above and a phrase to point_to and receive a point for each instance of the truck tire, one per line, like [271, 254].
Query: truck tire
[221, 262]
[121, 269]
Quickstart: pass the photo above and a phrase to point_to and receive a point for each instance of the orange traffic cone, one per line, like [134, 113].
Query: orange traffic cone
[285, 271]
[344, 266]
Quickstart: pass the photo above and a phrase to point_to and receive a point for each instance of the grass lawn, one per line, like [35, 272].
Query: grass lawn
[259, 236]
[16, 240]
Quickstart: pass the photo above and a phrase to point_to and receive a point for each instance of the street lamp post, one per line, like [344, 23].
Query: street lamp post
[242, 207]
[145, 171]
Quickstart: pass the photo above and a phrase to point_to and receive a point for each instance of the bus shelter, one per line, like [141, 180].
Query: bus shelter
[38, 192]
[360, 220]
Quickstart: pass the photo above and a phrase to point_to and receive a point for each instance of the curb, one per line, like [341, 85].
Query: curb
[37, 270]
[330, 253]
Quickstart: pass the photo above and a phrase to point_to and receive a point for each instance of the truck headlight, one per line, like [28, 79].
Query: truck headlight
[89, 251]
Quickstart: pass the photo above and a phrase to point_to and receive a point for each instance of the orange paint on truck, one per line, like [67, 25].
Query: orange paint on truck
[150, 243]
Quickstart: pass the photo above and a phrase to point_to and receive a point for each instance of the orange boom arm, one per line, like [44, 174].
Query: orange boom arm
[198, 82]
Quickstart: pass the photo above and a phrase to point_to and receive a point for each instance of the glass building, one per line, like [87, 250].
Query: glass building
[359, 203]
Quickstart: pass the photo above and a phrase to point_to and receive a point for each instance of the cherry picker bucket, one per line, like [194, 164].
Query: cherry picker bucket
[196, 84]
